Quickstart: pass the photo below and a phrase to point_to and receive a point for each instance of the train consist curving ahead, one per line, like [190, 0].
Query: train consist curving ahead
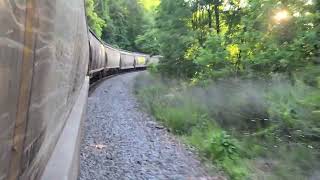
[106, 60]
[47, 55]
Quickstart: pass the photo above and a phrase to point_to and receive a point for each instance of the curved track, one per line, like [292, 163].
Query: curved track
[122, 142]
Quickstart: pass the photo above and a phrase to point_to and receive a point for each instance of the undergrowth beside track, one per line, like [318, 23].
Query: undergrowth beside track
[250, 130]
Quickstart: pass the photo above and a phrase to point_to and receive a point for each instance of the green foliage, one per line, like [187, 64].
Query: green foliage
[213, 54]
[213, 58]
[153, 69]
[222, 146]
[249, 38]
[95, 22]
[251, 130]
[297, 159]
[186, 117]
[174, 37]
[150, 5]
[127, 21]
[129, 24]
[180, 120]
[216, 145]
[294, 109]
[148, 42]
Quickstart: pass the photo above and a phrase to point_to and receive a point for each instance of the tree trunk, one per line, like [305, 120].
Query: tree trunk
[217, 15]
[209, 17]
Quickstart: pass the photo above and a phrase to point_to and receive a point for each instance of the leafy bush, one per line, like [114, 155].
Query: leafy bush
[219, 147]
[294, 109]
[186, 117]
[153, 69]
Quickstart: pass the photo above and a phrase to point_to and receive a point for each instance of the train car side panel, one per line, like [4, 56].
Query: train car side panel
[43, 64]
[127, 60]
[141, 60]
[98, 58]
[113, 58]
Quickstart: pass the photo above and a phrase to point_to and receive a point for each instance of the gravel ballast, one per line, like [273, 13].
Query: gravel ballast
[123, 142]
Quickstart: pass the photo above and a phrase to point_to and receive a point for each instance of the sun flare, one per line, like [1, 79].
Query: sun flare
[281, 16]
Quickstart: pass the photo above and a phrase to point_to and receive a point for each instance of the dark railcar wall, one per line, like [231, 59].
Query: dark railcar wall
[43, 64]
[98, 55]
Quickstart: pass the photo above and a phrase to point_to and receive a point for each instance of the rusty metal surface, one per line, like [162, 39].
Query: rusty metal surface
[27, 69]
[12, 18]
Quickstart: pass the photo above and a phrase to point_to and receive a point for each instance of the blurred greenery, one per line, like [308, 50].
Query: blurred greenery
[95, 22]
[250, 129]
[126, 24]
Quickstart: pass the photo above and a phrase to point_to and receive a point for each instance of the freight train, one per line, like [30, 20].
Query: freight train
[105, 59]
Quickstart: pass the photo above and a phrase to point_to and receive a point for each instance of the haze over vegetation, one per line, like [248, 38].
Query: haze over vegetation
[239, 79]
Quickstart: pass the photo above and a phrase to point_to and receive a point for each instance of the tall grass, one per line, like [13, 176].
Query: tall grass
[249, 129]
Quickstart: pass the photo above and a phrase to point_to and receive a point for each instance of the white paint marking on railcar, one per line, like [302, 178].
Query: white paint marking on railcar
[4, 116]
[11, 43]
[9, 32]
[50, 97]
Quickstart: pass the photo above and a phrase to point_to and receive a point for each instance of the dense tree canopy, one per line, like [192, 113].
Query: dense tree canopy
[95, 22]
[121, 22]
[236, 36]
